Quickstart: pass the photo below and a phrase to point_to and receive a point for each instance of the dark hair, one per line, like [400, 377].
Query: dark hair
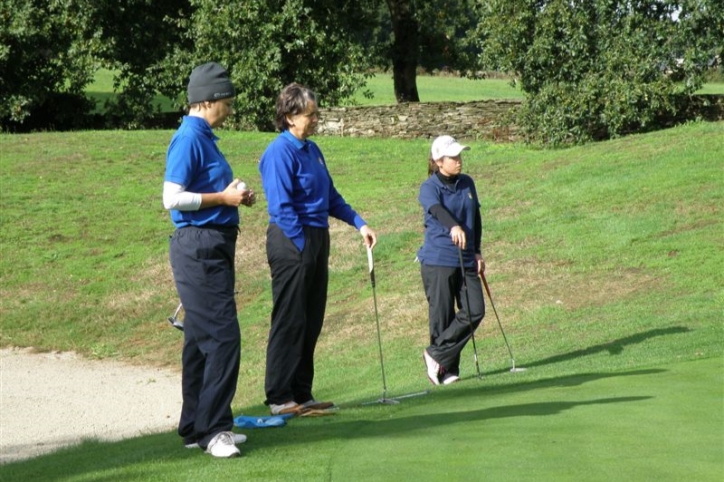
[292, 100]
[432, 166]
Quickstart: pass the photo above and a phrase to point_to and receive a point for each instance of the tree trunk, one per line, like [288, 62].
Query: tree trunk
[405, 50]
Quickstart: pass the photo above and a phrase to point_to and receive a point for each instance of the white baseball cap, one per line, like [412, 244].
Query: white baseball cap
[446, 146]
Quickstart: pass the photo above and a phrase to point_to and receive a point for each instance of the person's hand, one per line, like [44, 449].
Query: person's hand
[457, 234]
[232, 196]
[248, 197]
[480, 264]
[369, 236]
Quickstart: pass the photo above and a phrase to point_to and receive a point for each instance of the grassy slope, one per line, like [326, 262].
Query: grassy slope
[604, 261]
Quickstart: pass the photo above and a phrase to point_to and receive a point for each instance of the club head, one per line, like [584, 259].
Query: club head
[517, 370]
[179, 325]
[388, 401]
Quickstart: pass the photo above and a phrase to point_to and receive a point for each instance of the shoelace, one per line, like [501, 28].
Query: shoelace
[226, 438]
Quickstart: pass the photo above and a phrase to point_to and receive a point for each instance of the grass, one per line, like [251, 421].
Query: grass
[431, 89]
[440, 89]
[605, 263]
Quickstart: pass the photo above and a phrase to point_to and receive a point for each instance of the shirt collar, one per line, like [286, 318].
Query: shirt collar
[201, 125]
[295, 142]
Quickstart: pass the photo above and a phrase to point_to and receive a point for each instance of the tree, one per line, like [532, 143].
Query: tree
[134, 39]
[44, 59]
[405, 49]
[427, 34]
[594, 69]
[266, 44]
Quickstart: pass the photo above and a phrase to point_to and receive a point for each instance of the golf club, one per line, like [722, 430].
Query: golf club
[467, 307]
[175, 322]
[173, 319]
[384, 399]
[490, 297]
[371, 263]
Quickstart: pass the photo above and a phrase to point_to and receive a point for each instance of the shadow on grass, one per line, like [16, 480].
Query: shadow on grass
[96, 456]
[309, 433]
[615, 347]
[162, 449]
[117, 461]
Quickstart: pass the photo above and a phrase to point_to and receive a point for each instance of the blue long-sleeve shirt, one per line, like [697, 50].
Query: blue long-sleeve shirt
[299, 189]
[460, 199]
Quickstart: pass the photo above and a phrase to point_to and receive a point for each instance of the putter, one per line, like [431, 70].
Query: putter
[490, 297]
[173, 319]
[467, 306]
[383, 399]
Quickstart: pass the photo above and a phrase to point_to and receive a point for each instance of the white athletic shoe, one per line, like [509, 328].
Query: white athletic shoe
[239, 438]
[222, 446]
[448, 379]
[433, 368]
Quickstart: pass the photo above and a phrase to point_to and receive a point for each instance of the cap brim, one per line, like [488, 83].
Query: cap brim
[455, 149]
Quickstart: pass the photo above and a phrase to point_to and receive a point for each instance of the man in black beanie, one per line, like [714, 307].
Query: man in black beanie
[203, 197]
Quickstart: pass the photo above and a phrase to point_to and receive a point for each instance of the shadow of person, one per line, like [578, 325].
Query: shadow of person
[615, 347]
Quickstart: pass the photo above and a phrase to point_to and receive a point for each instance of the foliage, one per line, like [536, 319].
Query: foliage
[599, 69]
[134, 37]
[44, 57]
[267, 44]
[444, 26]
[413, 34]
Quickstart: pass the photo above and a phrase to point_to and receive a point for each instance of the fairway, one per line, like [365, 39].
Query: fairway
[647, 424]
[605, 261]
[590, 426]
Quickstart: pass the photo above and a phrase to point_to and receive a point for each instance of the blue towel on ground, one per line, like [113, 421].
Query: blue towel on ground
[246, 421]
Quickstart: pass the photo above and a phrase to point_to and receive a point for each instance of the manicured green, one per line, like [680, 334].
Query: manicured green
[441, 89]
[712, 88]
[605, 263]
[431, 89]
[101, 90]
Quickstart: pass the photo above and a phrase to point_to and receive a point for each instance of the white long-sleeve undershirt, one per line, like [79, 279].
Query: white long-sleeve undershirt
[176, 197]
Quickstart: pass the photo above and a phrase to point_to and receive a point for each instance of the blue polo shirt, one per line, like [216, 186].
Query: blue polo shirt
[461, 200]
[299, 189]
[194, 161]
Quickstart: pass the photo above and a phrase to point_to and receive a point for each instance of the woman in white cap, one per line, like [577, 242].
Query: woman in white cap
[453, 228]
[204, 197]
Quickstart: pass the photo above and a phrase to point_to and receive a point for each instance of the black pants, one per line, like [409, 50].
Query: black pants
[202, 260]
[450, 330]
[299, 293]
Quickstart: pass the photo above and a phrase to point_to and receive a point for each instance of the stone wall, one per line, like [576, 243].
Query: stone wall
[487, 119]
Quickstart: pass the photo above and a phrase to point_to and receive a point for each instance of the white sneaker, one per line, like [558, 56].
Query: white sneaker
[450, 379]
[433, 368]
[222, 445]
[239, 438]
[289, 407]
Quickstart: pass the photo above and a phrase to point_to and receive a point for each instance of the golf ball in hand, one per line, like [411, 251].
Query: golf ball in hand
[241, 186]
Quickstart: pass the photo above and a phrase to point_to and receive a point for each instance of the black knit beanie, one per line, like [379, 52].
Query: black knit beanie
[209, 81]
